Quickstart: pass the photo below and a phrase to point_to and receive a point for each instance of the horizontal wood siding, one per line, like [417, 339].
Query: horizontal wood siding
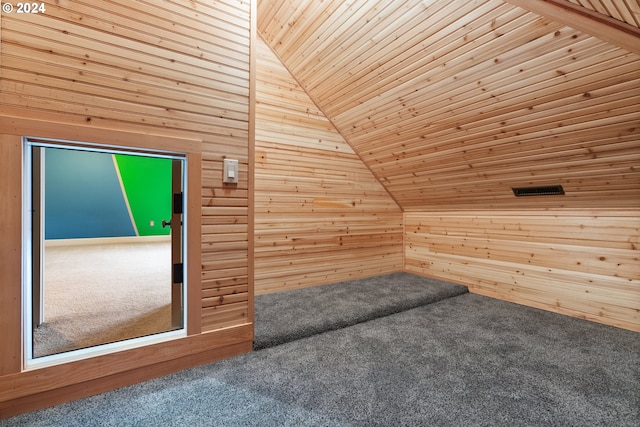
[154, 72]
[176, 68]
[581, 263]
[320, 215]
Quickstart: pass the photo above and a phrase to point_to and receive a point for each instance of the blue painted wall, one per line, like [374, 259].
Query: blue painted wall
[83, 196]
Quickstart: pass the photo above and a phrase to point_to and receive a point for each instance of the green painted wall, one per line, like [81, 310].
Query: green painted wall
[147, 184]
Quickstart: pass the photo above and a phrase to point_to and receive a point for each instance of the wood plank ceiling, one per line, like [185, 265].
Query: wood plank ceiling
[623, 10]
[452, 103]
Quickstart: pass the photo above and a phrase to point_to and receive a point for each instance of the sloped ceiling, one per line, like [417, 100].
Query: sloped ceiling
[452, 103]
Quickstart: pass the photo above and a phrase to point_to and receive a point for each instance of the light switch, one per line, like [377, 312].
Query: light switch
[230, 171]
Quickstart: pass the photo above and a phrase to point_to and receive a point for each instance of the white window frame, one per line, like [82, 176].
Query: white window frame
[27, 259]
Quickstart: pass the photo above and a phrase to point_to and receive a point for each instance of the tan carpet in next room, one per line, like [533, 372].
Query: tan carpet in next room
[96, 294]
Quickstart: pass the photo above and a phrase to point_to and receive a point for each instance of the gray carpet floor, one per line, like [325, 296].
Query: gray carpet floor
[468, 360]
[287, 316]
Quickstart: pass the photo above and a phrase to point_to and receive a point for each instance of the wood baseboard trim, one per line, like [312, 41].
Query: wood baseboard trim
[555, 309]
[106, 241]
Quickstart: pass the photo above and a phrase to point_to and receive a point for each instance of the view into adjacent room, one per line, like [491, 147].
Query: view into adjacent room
[102, 247]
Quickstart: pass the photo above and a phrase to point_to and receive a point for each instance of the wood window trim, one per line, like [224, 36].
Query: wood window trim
[19, 387]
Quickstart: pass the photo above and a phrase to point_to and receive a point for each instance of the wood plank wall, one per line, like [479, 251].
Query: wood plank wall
[147, 74]
[583, 263]
[320, 215]
[451, 104]
[176, 69]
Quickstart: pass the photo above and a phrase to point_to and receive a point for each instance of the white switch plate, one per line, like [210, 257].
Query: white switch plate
[230, 171]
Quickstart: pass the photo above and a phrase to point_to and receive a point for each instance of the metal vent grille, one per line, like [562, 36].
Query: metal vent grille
[546, 190]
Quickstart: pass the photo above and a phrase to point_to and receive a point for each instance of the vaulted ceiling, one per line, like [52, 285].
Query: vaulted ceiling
[451, 103]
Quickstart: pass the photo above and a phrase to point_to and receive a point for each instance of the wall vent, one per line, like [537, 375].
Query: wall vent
[546, 190]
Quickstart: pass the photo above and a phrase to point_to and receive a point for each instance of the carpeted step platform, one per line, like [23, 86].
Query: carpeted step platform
[290, 315]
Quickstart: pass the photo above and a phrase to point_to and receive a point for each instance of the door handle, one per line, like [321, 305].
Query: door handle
[166, 223]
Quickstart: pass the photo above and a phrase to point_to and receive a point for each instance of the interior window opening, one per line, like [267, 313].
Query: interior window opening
[104, 249]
